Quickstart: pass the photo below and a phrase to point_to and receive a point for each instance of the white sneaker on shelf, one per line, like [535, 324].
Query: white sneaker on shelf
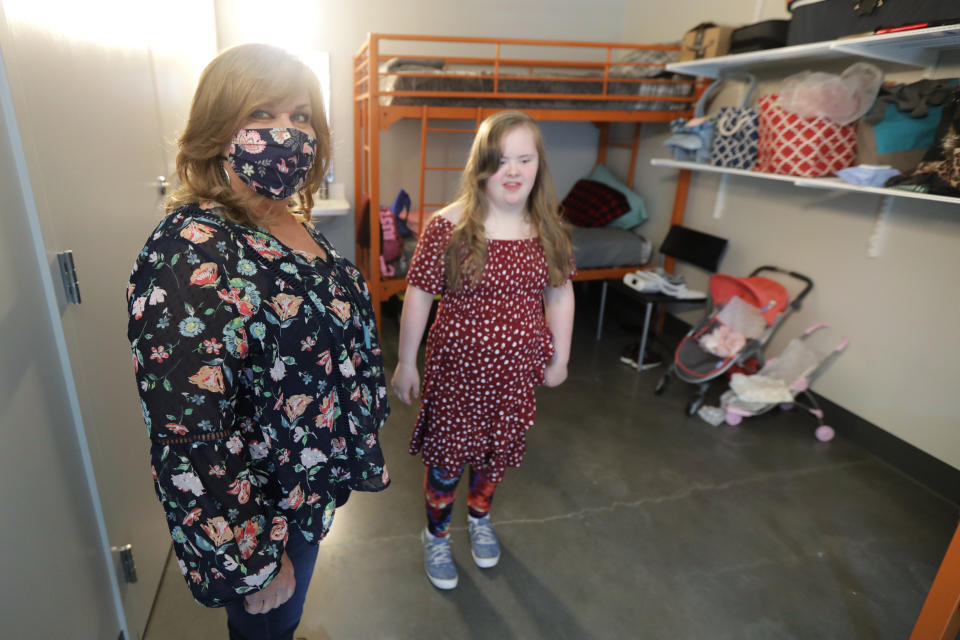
[689, 294]
[642, 281]
[659, 281]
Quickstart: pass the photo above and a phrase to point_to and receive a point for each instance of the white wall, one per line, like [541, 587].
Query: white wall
[896, 308]
[899, 309]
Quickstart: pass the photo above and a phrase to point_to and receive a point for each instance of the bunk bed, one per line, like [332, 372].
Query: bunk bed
[431, 79]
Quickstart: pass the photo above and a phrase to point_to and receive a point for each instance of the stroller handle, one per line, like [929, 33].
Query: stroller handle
[808, 283]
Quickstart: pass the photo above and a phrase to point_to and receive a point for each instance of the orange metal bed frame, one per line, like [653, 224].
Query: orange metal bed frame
[940, 616]
[370, 118]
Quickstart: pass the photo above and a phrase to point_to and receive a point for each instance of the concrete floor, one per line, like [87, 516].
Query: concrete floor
[630, 520]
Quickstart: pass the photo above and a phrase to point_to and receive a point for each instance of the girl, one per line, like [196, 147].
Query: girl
[501, 260]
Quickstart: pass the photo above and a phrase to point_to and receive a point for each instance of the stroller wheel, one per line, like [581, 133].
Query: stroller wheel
[824, 433]
[694, 405]
[661, 385]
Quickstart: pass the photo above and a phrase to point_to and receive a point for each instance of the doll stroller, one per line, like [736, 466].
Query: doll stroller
[743, 314]
[782, 380]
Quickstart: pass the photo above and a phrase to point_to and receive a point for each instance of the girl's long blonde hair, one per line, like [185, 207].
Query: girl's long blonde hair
[235, 83]
[466, 254]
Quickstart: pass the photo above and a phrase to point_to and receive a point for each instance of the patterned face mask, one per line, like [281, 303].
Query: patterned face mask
[272, 162]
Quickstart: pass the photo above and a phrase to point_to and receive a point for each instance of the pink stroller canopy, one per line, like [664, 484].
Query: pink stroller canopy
[767, 295]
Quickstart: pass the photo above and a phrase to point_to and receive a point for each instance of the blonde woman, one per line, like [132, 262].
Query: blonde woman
[501, 260]
[255, 348]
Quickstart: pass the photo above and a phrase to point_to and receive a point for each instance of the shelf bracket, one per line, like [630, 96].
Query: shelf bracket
[720, 203]
[875, 241]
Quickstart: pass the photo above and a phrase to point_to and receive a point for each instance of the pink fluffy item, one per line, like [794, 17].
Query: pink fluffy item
[723, 342]
[842, 98]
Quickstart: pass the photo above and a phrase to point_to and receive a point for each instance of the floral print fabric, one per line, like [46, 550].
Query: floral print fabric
[262, 388]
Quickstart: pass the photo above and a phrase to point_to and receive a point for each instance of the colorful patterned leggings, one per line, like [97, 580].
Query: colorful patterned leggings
[440, 488]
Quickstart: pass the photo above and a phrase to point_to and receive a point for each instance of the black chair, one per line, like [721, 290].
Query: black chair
[687, 245]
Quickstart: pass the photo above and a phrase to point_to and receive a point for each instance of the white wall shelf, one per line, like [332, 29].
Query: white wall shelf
[919, 48]
[330, 208]
[333, 206]
[833, 184]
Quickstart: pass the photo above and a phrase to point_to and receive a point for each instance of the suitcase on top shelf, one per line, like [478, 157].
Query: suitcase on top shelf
[816, 20]
[768, 34]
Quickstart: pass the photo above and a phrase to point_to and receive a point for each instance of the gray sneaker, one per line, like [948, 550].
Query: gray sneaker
[438, 561]
[484, 546]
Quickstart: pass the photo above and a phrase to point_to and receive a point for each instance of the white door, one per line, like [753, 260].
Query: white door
[97, 88]
[51, 536]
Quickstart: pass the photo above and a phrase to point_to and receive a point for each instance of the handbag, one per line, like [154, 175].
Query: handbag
[692, 139]
[939, 170]
[389, 240]
[902, 124]
[735, 132]
[793, 145]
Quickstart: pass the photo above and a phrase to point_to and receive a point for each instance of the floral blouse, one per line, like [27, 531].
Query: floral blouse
[262, 388]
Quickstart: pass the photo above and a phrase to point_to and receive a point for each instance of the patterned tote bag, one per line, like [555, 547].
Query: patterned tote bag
[692, 139]
[735, 132]
[797, 146]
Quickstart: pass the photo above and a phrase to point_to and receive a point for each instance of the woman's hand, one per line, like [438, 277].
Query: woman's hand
[555, 373]
[406, 382]
[276, 593]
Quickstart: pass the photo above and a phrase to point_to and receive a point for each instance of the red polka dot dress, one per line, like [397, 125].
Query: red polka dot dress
[486, 353]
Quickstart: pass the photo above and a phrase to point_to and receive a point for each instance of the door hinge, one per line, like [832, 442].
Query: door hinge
[68, 272]
[126, 562]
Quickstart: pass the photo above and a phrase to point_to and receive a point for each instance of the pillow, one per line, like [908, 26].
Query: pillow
[593, 204]
[637, 213]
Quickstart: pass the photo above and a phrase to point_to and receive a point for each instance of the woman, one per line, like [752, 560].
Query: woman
[255, 348]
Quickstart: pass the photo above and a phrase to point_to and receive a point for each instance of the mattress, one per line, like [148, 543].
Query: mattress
[623, 80]
[607, 247]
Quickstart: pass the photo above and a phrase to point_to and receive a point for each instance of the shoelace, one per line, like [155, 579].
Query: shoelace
[438, 553]
[482, 533]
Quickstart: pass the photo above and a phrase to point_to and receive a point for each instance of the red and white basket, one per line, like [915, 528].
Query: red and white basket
[796, 146]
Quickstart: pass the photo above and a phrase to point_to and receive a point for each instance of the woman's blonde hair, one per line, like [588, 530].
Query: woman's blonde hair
[467, 252]
[231, 87]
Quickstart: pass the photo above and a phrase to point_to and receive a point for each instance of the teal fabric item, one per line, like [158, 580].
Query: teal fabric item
[897, 131]
[637, 214]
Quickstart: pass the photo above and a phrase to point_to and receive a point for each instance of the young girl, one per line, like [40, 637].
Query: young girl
[501, 259]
